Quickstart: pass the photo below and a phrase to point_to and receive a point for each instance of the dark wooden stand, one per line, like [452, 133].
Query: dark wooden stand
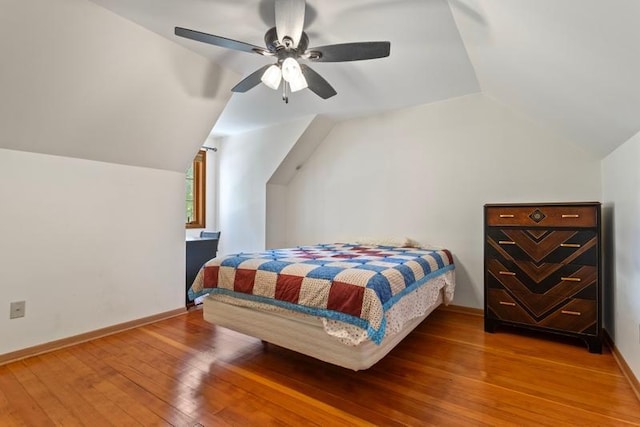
[199, 251]
[543, 269]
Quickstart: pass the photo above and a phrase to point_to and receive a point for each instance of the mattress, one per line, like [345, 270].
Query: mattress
[306, 334]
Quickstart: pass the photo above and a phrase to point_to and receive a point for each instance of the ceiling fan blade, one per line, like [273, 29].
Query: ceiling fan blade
[251, 81]
[316, 83]
[220, 41]
[349, 52]
[290, 19]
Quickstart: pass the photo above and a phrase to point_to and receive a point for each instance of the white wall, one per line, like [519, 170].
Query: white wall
[427, 171]
[276, 216]
[246, 163]
[90, 244]
[621, 197]
[213, 160]
[86, 244]
[306, 144]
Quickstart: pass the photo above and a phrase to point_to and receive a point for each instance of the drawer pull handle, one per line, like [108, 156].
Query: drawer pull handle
[511, 304]
[571, 313]
[570, 279]
[506, 216]
[506, 242]
[507, 273]
[569, 245]
[570, 216]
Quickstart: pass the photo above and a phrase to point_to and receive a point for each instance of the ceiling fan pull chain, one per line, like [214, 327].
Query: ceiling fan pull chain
[285, 96]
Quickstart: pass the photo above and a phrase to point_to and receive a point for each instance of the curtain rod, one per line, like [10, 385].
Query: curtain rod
[214, 149]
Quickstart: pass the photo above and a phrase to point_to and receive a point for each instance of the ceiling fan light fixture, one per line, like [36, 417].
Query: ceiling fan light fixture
[298, 83]
[272, 76]
[290, 69]
[292, 74]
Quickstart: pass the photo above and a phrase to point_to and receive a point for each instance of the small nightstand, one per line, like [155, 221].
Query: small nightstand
[199, 251]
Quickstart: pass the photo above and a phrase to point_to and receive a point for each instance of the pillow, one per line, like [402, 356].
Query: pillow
[381, 241]
[405, 242]
[386, 241]
[411, 243]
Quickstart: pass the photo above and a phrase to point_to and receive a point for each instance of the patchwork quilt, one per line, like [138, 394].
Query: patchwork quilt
[351, 283]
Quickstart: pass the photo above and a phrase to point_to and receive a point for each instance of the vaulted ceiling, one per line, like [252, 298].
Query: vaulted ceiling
[570, 65]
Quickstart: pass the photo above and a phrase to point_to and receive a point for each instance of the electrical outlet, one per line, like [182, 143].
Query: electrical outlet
[17, 309]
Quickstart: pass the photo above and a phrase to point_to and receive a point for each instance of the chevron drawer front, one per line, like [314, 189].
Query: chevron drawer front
[544, 277]
[541, 216]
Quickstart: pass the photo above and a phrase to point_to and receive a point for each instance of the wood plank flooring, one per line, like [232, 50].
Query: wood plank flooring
[186, 372]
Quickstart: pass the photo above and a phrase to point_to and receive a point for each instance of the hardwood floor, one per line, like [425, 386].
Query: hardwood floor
[186, 372]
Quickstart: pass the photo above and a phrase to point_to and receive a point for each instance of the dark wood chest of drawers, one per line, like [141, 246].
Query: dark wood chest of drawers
[543, 269]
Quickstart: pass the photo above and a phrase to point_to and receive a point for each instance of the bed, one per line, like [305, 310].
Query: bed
[348, 304]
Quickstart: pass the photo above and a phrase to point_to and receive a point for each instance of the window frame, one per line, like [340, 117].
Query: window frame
[199, 190]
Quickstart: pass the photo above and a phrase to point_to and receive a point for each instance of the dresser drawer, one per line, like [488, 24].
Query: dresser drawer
[502, 306]
[544, 245]
[568, 315]
[542, 216]
[558, 280]
[537, 305]
[577, 315]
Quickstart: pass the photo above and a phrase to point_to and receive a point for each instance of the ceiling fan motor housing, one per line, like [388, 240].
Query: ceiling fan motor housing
[285, 50]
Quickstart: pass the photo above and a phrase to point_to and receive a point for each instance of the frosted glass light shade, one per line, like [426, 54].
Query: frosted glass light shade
[272, 77]
[292, 73]
[298, 83]
[290, 69]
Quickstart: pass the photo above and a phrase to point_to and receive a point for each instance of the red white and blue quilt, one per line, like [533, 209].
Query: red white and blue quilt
[351, 283]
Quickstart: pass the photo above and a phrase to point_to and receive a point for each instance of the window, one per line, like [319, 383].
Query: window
[195, 191]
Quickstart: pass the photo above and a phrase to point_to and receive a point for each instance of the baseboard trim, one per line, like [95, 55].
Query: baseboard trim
[626, 370]
[87, 336]
[462, 309]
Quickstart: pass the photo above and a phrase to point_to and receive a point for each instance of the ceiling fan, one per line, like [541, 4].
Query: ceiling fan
[288, 44]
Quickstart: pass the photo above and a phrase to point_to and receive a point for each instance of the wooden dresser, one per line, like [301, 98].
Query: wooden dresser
[543, 269]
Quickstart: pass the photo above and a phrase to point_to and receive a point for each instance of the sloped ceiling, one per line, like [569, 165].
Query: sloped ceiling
[573, 65]
[83, 82]
[570, 65]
